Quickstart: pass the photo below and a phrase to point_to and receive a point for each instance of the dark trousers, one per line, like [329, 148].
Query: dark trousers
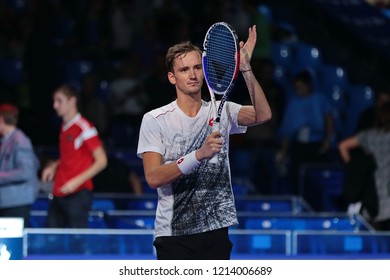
[300, 154]
[382, 225]
[211, 245]
[17, 212]
[70, 211]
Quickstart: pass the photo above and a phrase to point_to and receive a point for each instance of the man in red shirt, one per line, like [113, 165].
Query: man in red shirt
[82, 156]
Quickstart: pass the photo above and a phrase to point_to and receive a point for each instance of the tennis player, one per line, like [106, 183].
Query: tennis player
[195, 198]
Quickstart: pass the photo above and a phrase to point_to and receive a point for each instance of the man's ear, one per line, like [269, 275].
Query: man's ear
[171, 78]
[73, 99]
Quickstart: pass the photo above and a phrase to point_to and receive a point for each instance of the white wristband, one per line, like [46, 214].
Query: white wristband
[187, 163]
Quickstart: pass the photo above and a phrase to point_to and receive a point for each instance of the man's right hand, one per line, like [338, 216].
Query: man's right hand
[211, 146]
[49, 171]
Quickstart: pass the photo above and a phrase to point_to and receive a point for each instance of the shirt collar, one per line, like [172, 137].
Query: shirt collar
[72, 121]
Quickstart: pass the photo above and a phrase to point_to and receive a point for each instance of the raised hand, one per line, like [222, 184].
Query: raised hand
[246, 49]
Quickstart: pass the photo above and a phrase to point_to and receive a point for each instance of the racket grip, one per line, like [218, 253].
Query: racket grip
[214, 159]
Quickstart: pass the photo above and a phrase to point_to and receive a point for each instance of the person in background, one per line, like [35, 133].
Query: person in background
[307, 127]
[82, 156]
[359, 189]
[19, 165]
[368, 118]
[375, 141]
[91, 106]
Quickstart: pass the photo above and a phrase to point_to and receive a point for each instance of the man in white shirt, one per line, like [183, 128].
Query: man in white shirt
[196, 203]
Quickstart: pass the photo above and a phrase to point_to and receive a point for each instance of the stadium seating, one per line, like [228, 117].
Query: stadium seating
[283, 55]
[330, 76]
[321, 185]
[307, 56]
[311, 221]
[74, 70]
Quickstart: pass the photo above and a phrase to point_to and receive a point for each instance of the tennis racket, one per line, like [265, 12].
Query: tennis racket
[221, 58]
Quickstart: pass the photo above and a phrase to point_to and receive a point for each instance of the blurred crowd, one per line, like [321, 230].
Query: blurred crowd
[111, 51]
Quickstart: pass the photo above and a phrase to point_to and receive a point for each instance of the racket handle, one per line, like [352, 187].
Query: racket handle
[214, 159]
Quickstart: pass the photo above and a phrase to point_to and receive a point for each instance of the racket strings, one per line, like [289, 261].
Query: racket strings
[221, 58]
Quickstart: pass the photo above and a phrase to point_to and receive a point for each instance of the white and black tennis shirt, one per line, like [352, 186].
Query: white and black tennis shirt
[203, 199]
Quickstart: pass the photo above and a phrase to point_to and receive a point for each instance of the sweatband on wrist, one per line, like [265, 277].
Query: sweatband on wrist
[187, 163]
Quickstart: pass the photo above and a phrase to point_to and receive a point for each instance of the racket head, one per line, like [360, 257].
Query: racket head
[221, 57]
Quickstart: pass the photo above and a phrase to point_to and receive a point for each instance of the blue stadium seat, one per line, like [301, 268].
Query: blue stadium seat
[266, 11]
[312, 222]
[96, 220]
[283, 55]
[332, 75]
[257, 205]
[263, 223]
[283, 77]
[337, 98]
[103, 204]
[142, 204]
[308, 56]
[37, 219]
[322, 186]
[41, 203]
[132, 222]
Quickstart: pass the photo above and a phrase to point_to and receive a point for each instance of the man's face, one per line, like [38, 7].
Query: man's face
[382, 99]
[187, 73]
[63, 104]
[301, 88]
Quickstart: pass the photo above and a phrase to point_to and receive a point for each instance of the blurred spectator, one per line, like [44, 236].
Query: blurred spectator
[122, 26]
[383, 4]
[307, 127]
[359, 187]
[375, 141]
[19, 165]
[368, 118]
[82, 156]
[127, 99]
[93, 107]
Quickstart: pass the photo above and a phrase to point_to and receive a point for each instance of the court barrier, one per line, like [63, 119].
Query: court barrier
[111, 201]
[248, 244]
[269, 228]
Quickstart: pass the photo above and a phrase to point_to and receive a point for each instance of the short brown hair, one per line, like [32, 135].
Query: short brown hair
[9, 113]
[68, 90]
[177, 50]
